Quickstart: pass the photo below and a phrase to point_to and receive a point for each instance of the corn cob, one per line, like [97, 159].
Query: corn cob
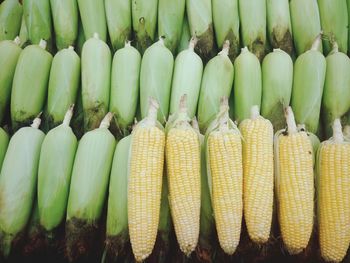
[332, 187]
[183, 153]
[118, 16]
[9, 54]
[336, 94]
[23, 33]
[155, 78]
[30, 84]
[170, 19]
[277, 82]
[185, 36]
[253, 30]
[125, 85]
[145, 182]
[226, 25]
[54, 173]
[63, 85]
[18, 183]
[95, 77]
[258, 176]
[117, 235]
[247, 85]
[279, 25]
[217, 82]
[334, 23]
[308, 81]
[93, 18]
[10, 19]
[187, 78]
[144, 22]
[294, 185]
[306, 24]
[4, 141]
[199, 14]
[37, 14]
[65, 22]
[88, 189]
[225, 174]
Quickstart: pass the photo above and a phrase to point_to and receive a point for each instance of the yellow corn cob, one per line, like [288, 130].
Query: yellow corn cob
[184, 178]
[294, 185]
[258, 175]
[145, 183]
[334, 196]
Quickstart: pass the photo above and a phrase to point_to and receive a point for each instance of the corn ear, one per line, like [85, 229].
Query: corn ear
[247, 85]
[125, 85]
[144, 22]
[279, 26]
[88, 189]
[185, 36]
[187, 78]
[65, 22]
[30, 84]
[155, 78]
[23, 33]
[81, 38]
[217, 82]
[334, 23]
[277, 82]
[10, 19]
[63, 85]
[226, 25]
[307, 95]
[4, 141]
[253, 31]
[9, 54]
[18, 183]
[170, 19]
[199, 14]
[93, 18]
[306, 24]
[54, 173]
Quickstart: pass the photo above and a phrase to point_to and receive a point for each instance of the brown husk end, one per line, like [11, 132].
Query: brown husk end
[93, 116]
[116, 246]
[235, 47]
[276, 116]
[281, 38]
[205, 45]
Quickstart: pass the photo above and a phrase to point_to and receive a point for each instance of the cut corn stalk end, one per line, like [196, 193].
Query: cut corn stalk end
[317, 42]
[17, 41]
[254, 113]
[42, 44]
[338, 136]
[106, 120]
[225, 48]
[291, 125]
[193, 43]
[68, 116]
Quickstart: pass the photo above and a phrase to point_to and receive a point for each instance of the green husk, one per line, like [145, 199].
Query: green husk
[30, 84]
[155, 78]
[118, 15]
[348, 5]
[226, 25]
[144, 22]
[88, 189]
[199, 14]
[308, 81]
[117, 235]
[248, 84]
[187, 78]
[10, 19]
[253, 26]
[4, 141]
[65, 22]
[81, 38]
[63, 85]
[54, 173]
[95, 75]
[277, 82]
[18, 183]
[125, 86]
[334, 23]
[217, 82]
[185, 36]
[306, 24]
[37, 14]
[170, 19]
[9, 54]
[93, 18]
[23, 33]
[336, 93]
[279, 26]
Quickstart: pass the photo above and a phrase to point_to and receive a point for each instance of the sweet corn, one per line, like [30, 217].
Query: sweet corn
[10, 19]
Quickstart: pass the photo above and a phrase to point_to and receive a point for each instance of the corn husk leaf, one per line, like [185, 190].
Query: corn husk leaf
[10, 19]
[4, 141]
[23, 33]
[185, 36]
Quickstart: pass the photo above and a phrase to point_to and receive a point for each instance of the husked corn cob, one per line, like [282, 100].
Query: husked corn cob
[10, 19]
[145, 182]
[183, 153]
[224, 164]
[4, 141]
[294, 185]
[333, 186]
